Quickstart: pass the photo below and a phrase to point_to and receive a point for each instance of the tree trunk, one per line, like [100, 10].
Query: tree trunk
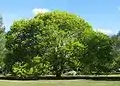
[58, 74]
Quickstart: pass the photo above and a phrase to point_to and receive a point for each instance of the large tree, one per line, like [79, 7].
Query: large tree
[52, 36]
[62, 39]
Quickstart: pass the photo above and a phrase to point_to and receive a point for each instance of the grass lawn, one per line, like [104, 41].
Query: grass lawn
[59, 83]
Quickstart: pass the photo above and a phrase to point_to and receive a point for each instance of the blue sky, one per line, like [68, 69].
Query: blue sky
[103, 15]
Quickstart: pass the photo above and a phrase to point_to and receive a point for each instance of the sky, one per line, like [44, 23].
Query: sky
[103, 15]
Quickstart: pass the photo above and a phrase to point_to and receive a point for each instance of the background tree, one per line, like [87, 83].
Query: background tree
[116, 51]
[2, 44]
[98, 56]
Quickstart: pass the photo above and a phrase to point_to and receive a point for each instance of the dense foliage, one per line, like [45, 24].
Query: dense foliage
[54, 43]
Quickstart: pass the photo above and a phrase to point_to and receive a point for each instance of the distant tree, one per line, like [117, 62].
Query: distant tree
[2, 44]
[98, 56]
[2, 29]
[116, 51]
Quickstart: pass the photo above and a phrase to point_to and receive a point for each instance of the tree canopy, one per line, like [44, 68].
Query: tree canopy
[62, 40]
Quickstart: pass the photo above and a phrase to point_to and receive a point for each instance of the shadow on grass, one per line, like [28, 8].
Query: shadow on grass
[96, 78]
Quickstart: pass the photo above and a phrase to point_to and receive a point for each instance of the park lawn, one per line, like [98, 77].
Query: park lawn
[59, 83]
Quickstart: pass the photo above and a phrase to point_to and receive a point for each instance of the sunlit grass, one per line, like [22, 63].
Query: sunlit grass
[59, 83]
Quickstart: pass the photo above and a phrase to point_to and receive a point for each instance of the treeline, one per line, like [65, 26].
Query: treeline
[54, 43]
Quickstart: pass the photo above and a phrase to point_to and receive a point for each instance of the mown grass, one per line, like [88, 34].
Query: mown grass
[59, 83]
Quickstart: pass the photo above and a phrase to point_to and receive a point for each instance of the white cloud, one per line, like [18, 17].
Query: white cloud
[39, 10]
[106, 31]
